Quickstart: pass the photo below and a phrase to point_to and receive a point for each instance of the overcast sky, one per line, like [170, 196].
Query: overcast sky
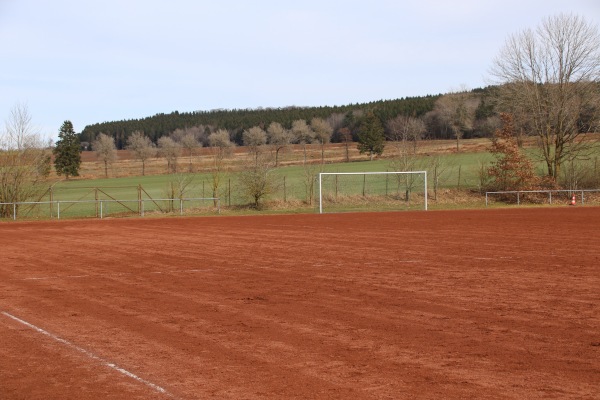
[95, 61]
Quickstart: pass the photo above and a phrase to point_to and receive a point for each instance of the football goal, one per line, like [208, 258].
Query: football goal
[369, 191]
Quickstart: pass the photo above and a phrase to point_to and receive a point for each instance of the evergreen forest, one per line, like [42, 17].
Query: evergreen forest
[236, 121]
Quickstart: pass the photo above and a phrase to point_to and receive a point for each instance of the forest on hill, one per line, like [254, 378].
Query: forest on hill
[439, 114]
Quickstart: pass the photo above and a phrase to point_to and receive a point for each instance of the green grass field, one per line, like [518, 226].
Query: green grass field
[291, 189]
[295, 177]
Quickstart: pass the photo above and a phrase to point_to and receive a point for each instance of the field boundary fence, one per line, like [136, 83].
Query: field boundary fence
[550, 195]
[103, 208]
[78, 201]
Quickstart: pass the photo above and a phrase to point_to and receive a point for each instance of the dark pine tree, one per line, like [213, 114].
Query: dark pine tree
[67, 156]
[371, 138]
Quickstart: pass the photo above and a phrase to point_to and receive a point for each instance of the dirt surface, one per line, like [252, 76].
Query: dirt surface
[498, 304]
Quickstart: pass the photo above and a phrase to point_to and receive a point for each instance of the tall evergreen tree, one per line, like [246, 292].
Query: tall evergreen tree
[67, 156]
[371, 138]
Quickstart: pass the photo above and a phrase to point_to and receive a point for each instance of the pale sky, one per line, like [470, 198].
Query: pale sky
[96, 61]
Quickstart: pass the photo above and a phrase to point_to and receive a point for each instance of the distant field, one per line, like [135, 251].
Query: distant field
[126, 173]
[459, 171]
[290, 182]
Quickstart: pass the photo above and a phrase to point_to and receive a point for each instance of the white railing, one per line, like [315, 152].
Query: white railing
[520, 192]
[101, 209]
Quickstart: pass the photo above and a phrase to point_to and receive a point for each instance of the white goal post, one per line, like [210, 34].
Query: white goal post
[408, 177]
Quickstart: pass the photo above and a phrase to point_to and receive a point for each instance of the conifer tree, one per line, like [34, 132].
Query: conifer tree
[67, 157]
[371, 139]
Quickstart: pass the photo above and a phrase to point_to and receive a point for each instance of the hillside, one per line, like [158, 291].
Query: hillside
[236, 121]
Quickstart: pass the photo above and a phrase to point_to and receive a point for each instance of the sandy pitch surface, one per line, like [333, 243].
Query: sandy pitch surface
[463, 304]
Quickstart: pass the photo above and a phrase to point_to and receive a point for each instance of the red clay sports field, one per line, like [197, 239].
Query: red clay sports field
[493, 304]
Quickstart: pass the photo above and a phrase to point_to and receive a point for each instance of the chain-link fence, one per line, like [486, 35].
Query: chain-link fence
[105, 208]
[573, 197]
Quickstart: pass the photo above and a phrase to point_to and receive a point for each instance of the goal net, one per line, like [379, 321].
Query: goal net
[372, 191]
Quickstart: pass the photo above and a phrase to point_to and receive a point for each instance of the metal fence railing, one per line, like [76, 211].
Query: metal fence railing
[102, 208]
[564, 193]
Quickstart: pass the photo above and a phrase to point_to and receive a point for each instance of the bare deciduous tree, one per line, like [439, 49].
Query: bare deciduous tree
[106, 151]
[406, 160]
[198, 131]
[581, 174]
[279, 138]
[309, 179]
[345, 136]
[336, 121]
[25, 160]
[303, 134]
[322, 134]
[403, 130]
[438, 170]
[257, 182]
[170, 150]
[221, 143]
[177, 189]
[551, 75]
[190, 142]
[457, 111]
[488, 125]
[254, 139]
[142, 148]
[19, 132]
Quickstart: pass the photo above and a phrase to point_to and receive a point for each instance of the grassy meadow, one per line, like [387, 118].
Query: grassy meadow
[454, 181]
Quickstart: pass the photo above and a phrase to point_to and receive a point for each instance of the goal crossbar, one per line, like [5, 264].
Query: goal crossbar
[322, 174]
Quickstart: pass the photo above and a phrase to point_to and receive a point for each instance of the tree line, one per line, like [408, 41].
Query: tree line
[237, 121]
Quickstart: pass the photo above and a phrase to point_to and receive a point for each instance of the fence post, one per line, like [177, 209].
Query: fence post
[364, 184]
[180, 206]
[101, 211]
[58, 210]
[518, 198]
[51, 202]
[550, 195]
[426, 192]
[386, 184]
[142, 202]
[320, 193]
[14, 211]
[284, 191]
[582, 200]
[486, 199]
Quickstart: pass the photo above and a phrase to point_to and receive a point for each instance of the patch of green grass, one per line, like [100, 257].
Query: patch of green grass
[459, 170]
[291, 181]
